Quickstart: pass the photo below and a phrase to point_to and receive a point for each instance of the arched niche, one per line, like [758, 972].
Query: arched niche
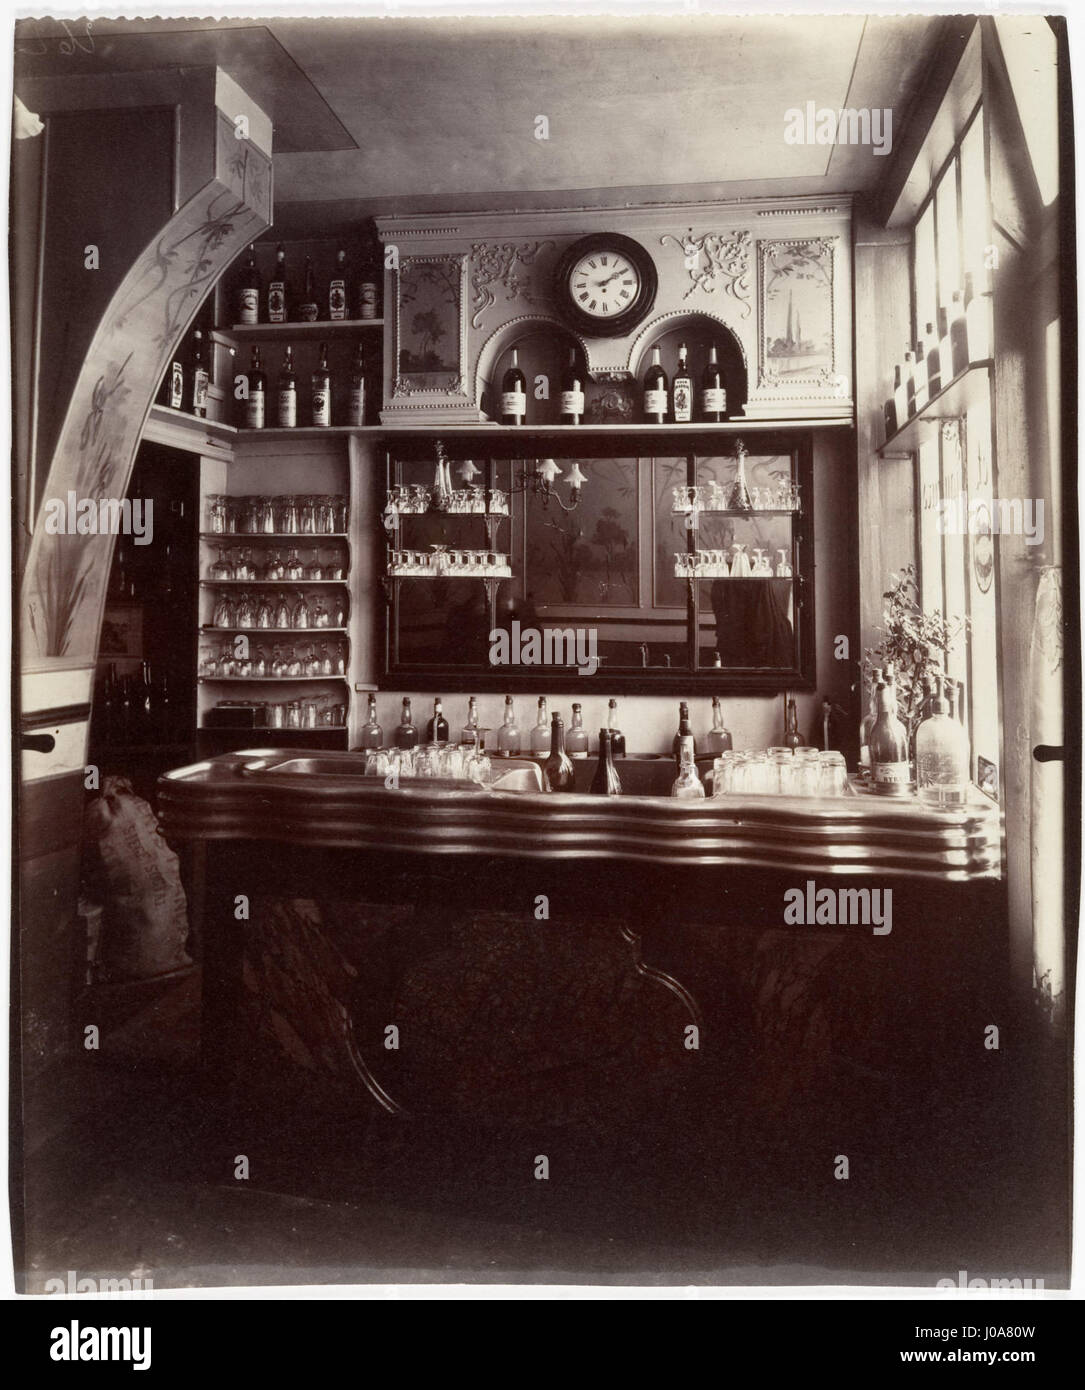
[543, 345]
[699, 332]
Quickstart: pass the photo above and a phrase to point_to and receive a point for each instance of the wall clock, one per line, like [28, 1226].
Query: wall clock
[605, 284]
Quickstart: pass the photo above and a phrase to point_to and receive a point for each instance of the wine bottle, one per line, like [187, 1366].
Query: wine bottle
[577, 742]
[308, 309]
[655, 391]
[934, 361]
[685, 730]
[513, 393]
[572, 392]
[682, 390]
[172, 390]
[437, 727]
[406, 733]
[558, 769]
[288, 393]
[713, 395]
[920, 376]
[909, 382]
[977, 313]
[889, 745]
[248, 291]
[198, 400]
[337, 287]
[322, 390]
[792, 737]
[356, 413]
[508, 739]
[276, 290]
[719, 738]
[900, 397]
[617, 738]
[470, 729]
[372, 733]
[890, 408]
[606, 781]
[945, 348]
[540, 734]
[257, 392]
[687, 785]
[958, 335]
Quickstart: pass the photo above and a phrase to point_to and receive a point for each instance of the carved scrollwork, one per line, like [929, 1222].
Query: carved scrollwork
[406, 386]
[493, 263]
[714, 259]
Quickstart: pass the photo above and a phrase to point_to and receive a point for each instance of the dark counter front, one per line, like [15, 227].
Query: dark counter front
[503, 934]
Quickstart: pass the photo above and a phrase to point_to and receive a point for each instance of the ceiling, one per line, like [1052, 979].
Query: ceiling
[403, 115]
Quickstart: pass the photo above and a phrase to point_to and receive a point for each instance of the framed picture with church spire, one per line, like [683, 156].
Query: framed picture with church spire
[798, 340]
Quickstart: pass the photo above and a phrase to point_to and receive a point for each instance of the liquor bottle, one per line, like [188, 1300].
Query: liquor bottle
[322, 390]
[685, 730]
[909, 382]
[919, 372]
[513, 393]
[740, 498]
[941, 754]
[682, 390]
[372, 733]
[406, 733]
[977, 314]
[890, 407]
[900, 397]
[867, 722]
[248, 291]
[437, 727]
[172, 390]
[572, 392]
[934, 361]
[558, 769]
[288, 393]
[356, 411]
[276, 290]
[470, 730]
[508, 738]
[719, 738]
[792, 737]
[337, 287]
[540, 734]
[655, 391]
[308, 309]
[617, 738]
[606, 781]
[687, 785]
[713, 395]
[577, 743]
[945, 349]
[958, 335]
[198, 399]
[889, 744]
[257, 386]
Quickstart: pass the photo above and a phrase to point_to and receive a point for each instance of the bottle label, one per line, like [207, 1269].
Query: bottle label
[893, 774]
[322, 414]
[249, 306]
[572, 402]
[177, 385]
[288, 408]
[368, 300]
[337, 299]
[276, 302]
[655, 402]
[199, 391]
[357, 405]
[683, 400]
[254, 410]
[308, 313]
[714, 400]
[513, 403]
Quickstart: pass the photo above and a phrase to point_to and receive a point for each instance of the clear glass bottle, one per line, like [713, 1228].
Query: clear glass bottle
[719, 737]
[470, 730]
[508, 739]
[977, 313]
[942, 762]
[617, 738]
[958, 335]
[558, 768]
[372, 733]
[606, 781]
[540, 734]
[687, 785]
[739, 500]
[577, 743]
[792, 737]
[685, 730]
[934, 361]
[407, 732]
[868, 722]
[908, 372]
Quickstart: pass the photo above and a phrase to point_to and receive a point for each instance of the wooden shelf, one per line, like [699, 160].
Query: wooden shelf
[323, 328]
[749, 515]
[177, 428]
[971, 387]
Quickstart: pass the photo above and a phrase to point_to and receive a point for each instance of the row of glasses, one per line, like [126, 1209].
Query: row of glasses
[780, 772]
[412, 499]
[269, 611]
[285, 663]
[286, 514]
[714, 497]
[490, 564]
[450, 760]
[715, 564]
[240, 564]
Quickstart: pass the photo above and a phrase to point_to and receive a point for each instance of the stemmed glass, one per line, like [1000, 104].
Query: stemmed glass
[783, 565]
[740, 564]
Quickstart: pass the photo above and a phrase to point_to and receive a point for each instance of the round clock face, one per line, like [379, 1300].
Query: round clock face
[606, 284]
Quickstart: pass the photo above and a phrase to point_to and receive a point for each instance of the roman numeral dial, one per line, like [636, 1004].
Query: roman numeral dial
[606, 283]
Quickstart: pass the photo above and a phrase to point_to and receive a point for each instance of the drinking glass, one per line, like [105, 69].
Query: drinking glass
[293, 714]
[808, 771]
[216, 522]
[264, 614]
[740, 565]
[278, 665]
[259, 666]
[341, 505]
[307, 515]
[326, 515]
[834, 774]
[266, 516]
[274, 568]
[293, 663]
[314, 569]
[783, 565]
[246, 611]
[301, 612]
[294, 568]
[224, 612]
[723, 772]
[288, 523]
[222, 569]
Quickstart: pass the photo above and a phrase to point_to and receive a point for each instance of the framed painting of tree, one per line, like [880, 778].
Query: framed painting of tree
[430, 331]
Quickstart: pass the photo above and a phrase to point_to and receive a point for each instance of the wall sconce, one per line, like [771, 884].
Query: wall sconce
[541, 484]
